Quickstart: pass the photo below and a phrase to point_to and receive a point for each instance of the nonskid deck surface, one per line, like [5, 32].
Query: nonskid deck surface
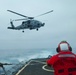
[36, 67]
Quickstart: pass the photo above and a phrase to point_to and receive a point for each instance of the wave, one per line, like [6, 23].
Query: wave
[18, 56]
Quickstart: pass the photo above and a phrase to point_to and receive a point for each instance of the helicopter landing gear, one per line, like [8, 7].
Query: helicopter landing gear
[23, 31]
[37, 29]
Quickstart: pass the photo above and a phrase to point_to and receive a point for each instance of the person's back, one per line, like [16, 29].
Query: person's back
[64, 63]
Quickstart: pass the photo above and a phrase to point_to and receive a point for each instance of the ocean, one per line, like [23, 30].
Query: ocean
[22, 55]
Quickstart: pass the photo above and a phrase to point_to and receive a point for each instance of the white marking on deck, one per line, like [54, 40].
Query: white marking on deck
[47, 69]
[23, 68]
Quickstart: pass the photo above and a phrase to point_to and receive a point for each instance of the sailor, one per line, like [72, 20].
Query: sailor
[64, 63]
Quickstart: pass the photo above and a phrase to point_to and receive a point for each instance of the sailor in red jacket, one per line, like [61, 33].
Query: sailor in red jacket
[64, 63]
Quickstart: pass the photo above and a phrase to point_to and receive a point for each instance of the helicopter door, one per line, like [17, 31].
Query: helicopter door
[28, 23]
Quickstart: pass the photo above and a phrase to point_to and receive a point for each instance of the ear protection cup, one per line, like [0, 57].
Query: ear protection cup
[70, 48]
[57, 50]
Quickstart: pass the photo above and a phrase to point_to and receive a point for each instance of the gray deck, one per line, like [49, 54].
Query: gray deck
[36, 67]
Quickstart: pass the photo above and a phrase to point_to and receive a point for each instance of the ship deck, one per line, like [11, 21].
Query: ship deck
[36, 67]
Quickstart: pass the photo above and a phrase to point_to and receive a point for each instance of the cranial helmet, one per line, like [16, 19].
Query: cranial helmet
[63, 46]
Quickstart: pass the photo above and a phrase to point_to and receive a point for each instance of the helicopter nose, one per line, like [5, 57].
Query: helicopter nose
[43, 24]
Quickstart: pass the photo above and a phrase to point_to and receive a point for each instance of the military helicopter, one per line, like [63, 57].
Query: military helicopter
[28, 23]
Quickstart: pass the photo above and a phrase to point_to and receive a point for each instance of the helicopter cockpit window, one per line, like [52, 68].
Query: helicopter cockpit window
[28, 21]
[23, 22]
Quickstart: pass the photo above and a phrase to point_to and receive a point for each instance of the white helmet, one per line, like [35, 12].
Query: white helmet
[63, 46]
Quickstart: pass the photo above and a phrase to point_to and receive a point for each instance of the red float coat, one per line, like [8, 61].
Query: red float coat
[63, 63]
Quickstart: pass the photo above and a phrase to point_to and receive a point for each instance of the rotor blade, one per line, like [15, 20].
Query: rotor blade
[5, 64]
[17, 13]
[45, 13]
[19, 19]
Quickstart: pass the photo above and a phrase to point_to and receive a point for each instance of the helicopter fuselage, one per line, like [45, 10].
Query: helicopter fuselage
[29, 24]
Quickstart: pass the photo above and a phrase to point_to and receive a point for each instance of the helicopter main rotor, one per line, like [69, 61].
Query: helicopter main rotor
[26, 17]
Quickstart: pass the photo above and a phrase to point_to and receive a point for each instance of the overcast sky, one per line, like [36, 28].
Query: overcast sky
[59, 25]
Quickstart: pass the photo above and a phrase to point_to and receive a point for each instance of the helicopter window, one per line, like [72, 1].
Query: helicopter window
[23, 22]
[28, 21]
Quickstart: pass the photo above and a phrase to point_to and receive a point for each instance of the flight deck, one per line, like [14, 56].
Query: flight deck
[36, 67]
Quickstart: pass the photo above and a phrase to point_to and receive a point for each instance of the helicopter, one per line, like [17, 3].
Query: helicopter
[28, 23]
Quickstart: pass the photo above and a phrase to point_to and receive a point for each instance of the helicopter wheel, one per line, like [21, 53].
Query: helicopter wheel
[37, 29]
[23, 31]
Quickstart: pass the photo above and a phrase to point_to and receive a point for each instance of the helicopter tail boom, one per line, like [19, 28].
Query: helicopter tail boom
[12, 26]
